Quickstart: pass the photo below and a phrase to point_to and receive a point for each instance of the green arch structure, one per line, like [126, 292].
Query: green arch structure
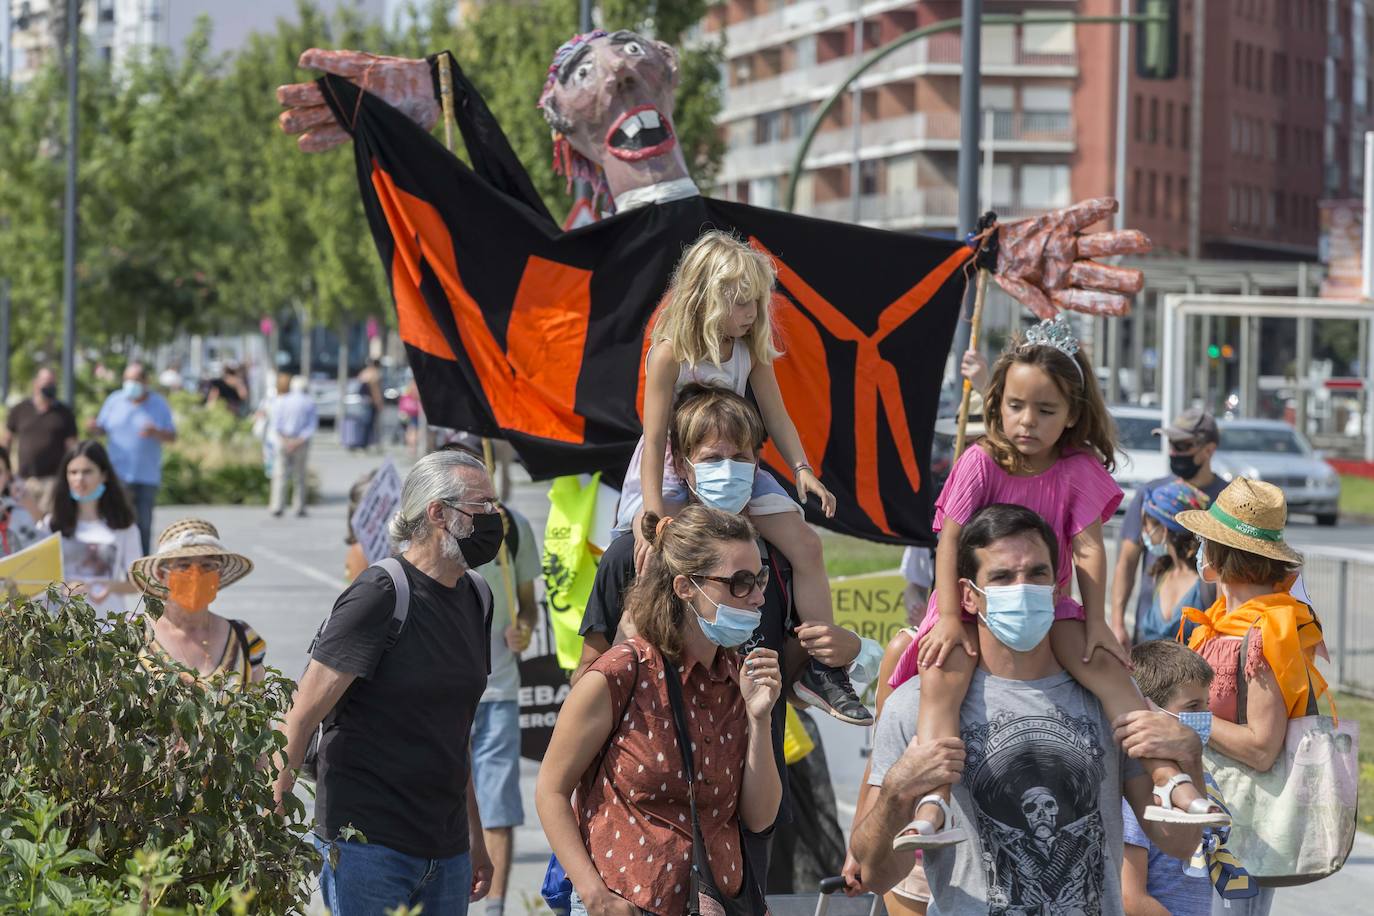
[944, 25]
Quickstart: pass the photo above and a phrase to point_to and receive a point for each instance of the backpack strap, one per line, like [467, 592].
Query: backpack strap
[397, 572]
[484, 595]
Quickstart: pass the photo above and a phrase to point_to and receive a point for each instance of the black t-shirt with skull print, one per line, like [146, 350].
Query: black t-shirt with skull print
[1041, 792]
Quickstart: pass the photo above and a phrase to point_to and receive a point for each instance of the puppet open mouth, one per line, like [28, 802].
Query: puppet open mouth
[640, 133]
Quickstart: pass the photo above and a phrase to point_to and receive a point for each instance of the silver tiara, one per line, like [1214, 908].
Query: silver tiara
[1055, 332]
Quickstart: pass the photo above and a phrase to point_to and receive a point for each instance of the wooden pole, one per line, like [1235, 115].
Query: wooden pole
[503, 555]
[980, 294]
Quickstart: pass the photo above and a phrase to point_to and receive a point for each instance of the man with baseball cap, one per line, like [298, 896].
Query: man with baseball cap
[1193, 440]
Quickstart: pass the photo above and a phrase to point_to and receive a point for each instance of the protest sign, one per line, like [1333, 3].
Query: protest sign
[379, 503]
[870, 605]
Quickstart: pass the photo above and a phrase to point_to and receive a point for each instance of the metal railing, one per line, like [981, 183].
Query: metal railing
[1340, 583]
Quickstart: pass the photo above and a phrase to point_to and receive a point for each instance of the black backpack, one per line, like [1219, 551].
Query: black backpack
[310, 764]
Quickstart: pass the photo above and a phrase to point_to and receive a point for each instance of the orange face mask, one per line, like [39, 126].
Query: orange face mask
[193, 588]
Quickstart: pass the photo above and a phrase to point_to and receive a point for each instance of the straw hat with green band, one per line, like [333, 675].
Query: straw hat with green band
[1248, 515]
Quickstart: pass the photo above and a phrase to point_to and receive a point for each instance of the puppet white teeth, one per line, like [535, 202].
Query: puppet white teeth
[631, 127]
[648, 118]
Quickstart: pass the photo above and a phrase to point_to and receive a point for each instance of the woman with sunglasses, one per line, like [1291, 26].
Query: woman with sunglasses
[627, 842]
[187, 571]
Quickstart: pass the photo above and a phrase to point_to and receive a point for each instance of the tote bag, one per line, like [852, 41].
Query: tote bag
[1295, 823]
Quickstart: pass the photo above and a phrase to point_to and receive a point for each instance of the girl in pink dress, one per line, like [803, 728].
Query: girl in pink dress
[1050, 447]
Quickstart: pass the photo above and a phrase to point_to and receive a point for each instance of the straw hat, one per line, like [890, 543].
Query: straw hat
[190, 537]
[1248, 515]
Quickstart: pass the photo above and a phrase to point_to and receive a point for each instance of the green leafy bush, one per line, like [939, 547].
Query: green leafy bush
[134, 791]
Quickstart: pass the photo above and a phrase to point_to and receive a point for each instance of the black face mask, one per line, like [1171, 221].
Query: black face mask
[482, 546]
[1184, 466]
[49, 392]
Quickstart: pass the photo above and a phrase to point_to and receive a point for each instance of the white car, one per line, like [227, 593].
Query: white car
[1275, 452]
[1138, 457]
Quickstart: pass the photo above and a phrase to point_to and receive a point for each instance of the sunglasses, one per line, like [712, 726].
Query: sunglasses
[743, 582]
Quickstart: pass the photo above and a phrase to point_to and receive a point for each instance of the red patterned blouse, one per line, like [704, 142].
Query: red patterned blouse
[633, 804]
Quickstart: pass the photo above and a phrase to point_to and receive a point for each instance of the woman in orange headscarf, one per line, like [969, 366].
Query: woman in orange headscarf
[1244, 554]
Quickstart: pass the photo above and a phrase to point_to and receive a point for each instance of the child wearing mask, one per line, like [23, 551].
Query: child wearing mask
[1154, 883]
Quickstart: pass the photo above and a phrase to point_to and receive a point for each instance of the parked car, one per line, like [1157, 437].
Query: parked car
[1138, 456]
[1274, 451]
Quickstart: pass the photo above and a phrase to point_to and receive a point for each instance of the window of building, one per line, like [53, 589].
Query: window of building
[763, 192]
[999, 45]
[1154, 121]
[868, 177]
[1184, 204]
[1185, 126]
[804, 52]
[1137, 191]
[1044, 186]
[1139, 118]
[1002, 193]
[1152, 195]
[1047, 38]
[1169, 124]
[1232, 205]
[798, 120]
[1168, 197]
[1280, 143]
[1047, 99]
[768, 127]
[1259, 69]
[1235, 64]
[901, 174]
[1187, 55]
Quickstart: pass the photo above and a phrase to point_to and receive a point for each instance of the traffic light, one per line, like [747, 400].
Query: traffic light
[1213, 351]
[1228, 351]
[1156, 43]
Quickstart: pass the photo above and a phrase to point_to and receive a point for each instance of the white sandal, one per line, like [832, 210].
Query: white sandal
[912, 838]
[1201, 813]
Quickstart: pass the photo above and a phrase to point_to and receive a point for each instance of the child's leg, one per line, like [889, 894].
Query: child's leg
[1112, 685]
[942, 695]
[799, 542]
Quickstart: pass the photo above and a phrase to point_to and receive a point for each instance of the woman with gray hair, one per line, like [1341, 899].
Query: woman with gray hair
[394, 678]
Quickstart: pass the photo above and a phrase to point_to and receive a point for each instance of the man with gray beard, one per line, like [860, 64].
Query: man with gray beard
[395, 676]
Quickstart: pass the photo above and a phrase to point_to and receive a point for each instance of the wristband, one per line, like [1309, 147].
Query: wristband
[800, 465]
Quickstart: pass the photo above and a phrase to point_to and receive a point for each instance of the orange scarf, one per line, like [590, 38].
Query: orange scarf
[1290, 633]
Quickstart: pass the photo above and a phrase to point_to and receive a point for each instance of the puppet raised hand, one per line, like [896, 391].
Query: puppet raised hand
[401, 82]
[1045, 263]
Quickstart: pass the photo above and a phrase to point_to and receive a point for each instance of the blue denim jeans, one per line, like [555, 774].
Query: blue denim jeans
[365, 879]
[144, 498]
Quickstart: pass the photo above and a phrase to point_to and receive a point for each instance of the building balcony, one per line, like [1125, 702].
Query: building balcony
[938, 56]
[797, 19]
[1036, 132]
[915, 208]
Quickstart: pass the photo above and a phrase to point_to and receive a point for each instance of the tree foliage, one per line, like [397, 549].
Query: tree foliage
[125, 785]
[198, 215]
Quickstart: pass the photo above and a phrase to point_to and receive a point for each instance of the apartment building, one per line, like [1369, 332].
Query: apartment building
[1280, 114]
[902, 124]
[31, 31]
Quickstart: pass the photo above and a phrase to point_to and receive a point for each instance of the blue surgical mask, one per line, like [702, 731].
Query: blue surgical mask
[1201, 560]
[725, 484]
[91, 496]
[1019, 615]
[1200, 722]
[133, 389]
[1155, 550]
[733, 625]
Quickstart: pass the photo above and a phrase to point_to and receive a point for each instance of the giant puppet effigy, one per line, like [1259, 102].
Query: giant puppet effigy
[518, 329]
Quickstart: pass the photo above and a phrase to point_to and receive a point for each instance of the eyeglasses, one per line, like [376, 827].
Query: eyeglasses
[485, 506]
[743, 582]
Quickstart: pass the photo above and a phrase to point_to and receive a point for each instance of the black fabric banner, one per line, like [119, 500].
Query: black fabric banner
[519, 330]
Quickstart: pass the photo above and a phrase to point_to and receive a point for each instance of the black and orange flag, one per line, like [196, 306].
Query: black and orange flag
[519, 330]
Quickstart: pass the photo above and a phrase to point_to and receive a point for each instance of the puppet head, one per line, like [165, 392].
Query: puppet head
[609, 100]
